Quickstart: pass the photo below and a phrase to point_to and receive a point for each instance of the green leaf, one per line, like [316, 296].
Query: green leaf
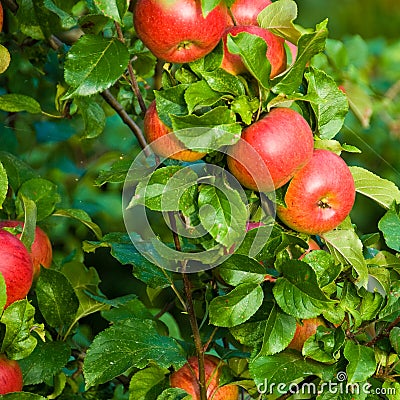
[278, 18]
[297, 292]
[199, 94]
[67, 21]
[93, 64]
[30, 217]
[239, 269]
[389, 225]
[3, 293]
[43, 192]
[44, 362]
[18, 103]
[371, 304]
[56, 298]
[3, 185]
[29, 24]
[147, 383]
[224, 82]
[252, 50]
[18, 318]
[174, 394]
[331, 107]
[394, 337]
[347, 248]
[208, 5]
[171, 101]
[22, 396]
[114, 9]
[309, 45]
[245, 107]
[237, 306]
[18, 172]
[133, 343]
[360, 103]
[362, 363]
[93, 115]
[279, 332]
[5, 59]
[382, 191]
[116, 174]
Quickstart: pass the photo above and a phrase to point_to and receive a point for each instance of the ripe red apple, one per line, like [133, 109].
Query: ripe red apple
[176, 30]
[16, 266]
[245, 12]
[186, 378]
[304, 330]
[165, 143]
[10, 376]
[283, 140]
[41, 249]
[320, 196]
[275, 54]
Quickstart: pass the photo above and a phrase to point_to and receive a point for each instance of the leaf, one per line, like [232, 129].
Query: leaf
[116, 174]
[19, 103]
[394, 337]
[114, 9]
[28, 18]
[81, 216]
[18, 319]
[347, 247]
[279, 332]
[93, 64]
[93, 115]
[30, 216]
[278, 18]
[245, 107]
[56, 298]
[221, 81]
[237, 306]
[199, 94]
[252, 50]
[389, 225]
[5, 59]
[3, 293]
[331, 107]
[147, 383]
[362, 363]
[382, 191]
[67, 21]
[297, 292]
[44, 362]
[208, 5]
[3, 185]
[22, 396]
[133, 343]
[171, 101]
[360, 103]
[173, 394]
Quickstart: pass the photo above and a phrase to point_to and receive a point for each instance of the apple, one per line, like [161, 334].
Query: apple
[16, 266]
[41, 249]
[187, 377]
[319, 196]
[176, 30]
[10, 376]
[245, 12]
[304, 330]
[275, 54]
[283, 140]
[1, 17]
[166, 144]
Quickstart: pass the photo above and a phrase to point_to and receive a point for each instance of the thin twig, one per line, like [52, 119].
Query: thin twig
[384, 333]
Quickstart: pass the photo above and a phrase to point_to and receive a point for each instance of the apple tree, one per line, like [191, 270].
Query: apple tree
[214, 152]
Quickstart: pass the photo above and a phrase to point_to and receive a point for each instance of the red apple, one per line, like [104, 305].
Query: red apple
[1, 17]
[16, 266]
[283, 140]
[187, 377]
[10, 376]
[41, 249]
[304, 330]
[176, 30]
[165, 143]
[320, 196]
[275, 54]
[245, 12]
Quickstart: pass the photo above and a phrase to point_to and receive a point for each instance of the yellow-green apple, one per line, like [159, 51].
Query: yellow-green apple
[161, 139]
[187, 377]
[176, 30]
[304, 330]
[16, 266]
[245, 12]
[275, 53]
[283, 140]
[10, 375]
[319, 196]
[41, 249]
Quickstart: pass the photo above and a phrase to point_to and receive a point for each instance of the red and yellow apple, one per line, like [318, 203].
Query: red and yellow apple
[245, 12]
[187, 377]
[304, 330]
[176, 30]
[319, 196]
[275, 54]
[41, 249]
[162, 141]
[284, 142]
[10, 376]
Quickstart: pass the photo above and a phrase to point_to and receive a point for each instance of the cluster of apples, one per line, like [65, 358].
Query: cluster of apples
[20, 268]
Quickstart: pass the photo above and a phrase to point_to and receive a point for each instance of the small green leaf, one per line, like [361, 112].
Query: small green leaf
[3, 185]
[360, 103]
[245, 107]
[3, 293]
[394, 337]
[208, 5]
[93, 115]
[362, 363]
[237, 306]
[93, 64]
[67, 21]
[30, 217]
[199, 94]
[171, 101]
[224, 82]
[18, 103]
[114, 9]
[389, 225]
[147, 383]
[174, 394]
